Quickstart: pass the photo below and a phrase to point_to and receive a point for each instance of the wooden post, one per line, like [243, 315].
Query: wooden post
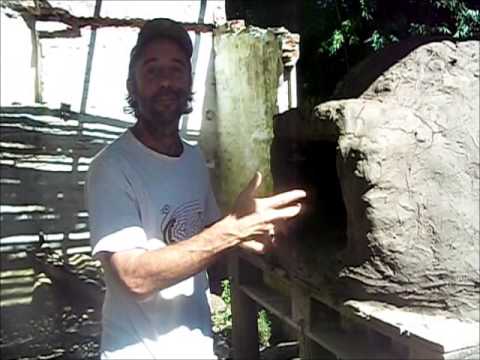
[301, 313]
[244, 311]
[91, 50]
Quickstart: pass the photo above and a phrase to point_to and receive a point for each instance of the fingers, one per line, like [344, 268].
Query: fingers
[281, 214]
[253, 185]
[282, 199]
[255, 217]
[261, 243]
[254, 246]
[245, 202]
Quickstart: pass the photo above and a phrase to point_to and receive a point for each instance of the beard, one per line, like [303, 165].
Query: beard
[161, 112]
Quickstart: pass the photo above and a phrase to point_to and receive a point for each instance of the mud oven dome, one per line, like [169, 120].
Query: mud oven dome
[390, 226]
[338, 251]
[393, 184]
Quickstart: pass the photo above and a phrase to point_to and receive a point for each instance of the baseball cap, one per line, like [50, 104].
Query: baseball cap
[163, 28]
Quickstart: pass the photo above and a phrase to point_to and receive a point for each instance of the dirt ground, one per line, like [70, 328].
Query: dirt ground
[57, 322]
[63, 318]
[48, 334]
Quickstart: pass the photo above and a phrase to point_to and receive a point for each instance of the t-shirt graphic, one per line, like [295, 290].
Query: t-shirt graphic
[183, 222]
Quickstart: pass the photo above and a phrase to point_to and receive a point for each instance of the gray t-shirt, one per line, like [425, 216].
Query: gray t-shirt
[140, 199]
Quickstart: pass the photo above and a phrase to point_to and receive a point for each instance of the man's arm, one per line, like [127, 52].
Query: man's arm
[144, 272]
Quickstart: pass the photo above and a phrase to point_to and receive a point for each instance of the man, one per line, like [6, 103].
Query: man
[154, 222]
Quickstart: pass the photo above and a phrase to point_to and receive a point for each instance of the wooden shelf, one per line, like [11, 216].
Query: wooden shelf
[357, 329]
[344, 345]
[277, 304]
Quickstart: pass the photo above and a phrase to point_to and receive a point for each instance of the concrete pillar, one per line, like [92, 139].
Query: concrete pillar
[248, 66]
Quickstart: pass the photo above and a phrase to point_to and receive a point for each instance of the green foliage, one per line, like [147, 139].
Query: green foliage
[346, 34]
[337, 34]
[222, 320]
[264, 328]
[359, 19]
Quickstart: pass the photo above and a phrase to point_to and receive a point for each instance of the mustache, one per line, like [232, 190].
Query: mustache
[177, 94]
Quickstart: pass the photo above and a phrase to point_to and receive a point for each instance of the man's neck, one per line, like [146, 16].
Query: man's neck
[166, 142]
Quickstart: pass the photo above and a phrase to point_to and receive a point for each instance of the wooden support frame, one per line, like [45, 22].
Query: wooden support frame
[244, 311]
[350, 330]
[91, 51]
[75, 23]
[301, 314]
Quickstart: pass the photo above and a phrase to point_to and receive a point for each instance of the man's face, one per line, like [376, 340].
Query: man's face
[162, 84]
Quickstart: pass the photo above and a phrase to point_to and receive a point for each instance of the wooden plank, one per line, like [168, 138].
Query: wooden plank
[26, 124]
[50, 205]
[56, 14]
[34, 162]
[28, 121]
[44, 111]
[89, 119]
[472, 352]
[43, 214]
[59, 185]
[347, 345]
[417, 331]
[87, 151]
[301, 315]
[34, 110]
[244, 313]
[49, 196]
[33, 227]
[36, 157]
[101, 133]
[52, 141]
[9, 126]
[70, 244]
[28, 175]
[331, 331]
[10, 232]
[15, 249]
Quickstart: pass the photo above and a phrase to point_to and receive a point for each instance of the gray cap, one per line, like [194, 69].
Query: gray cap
[163, 28]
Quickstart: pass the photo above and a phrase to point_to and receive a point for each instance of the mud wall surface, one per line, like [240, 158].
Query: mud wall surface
[408, 165]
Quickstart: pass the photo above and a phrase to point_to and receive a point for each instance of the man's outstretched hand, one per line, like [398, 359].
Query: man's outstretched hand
[250, 224]
[254, 219]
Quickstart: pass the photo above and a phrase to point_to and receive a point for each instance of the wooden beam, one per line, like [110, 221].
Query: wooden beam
[36, 62]
[75, 23]
[87, 146]
[20, 228]
[301, 315]
[58, 113]
[91, 51]
[25, 194]
[38, 150]
[244, 312]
